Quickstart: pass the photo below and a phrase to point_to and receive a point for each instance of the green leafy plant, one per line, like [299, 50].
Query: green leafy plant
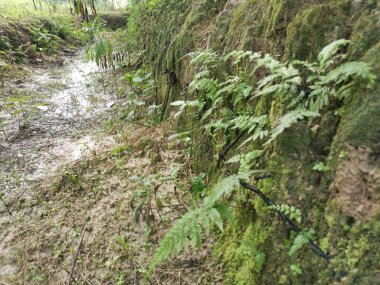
[292, 212]
[320, 166]
[288, 120]
[184, 137]
[296, 269]
[300, 240]
[188, 230]
[304, 88]
[97, 45]
[224, 100]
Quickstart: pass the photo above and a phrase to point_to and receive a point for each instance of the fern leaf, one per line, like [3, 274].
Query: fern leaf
[177, 238]
[319, 98]
[259, 261]
[191, 226]
[347, 70]
[288, 120]
[268, 62]
[205, 58]
[300, 240]
[269, 90]
[246, 160]
[309, 66]
[215, 218]
[224, 188]
[330, 50]
[267, 79]
[195, 232]
[224, 211]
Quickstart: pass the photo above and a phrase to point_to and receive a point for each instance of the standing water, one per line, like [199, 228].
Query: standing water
[59, 123]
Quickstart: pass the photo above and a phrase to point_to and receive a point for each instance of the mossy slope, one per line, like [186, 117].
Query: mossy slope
[255, 250]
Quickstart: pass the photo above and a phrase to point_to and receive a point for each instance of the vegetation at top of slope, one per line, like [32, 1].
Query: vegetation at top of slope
[27, 31]
[29, 38]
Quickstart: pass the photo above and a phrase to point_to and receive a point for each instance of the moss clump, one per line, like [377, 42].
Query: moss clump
[242, 253]
[360, 114]
[366, 30]
[314, 28]
[258, 25]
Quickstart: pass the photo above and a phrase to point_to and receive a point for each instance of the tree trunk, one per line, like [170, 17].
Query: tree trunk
[93, 9]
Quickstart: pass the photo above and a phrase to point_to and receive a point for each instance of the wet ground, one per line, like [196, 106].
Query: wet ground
[51, 118]
[64, 178]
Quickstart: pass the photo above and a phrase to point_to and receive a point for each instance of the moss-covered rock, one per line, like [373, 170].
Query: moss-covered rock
[255, 247]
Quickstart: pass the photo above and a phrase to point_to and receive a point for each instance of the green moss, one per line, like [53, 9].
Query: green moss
[366, 31]
[315, 27]
[245, 260]
[360, 113]
[298, 30]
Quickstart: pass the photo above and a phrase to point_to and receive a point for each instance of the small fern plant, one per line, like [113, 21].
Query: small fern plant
[300, 240]
[226, 101]
[303, 88]
[190, 228]
[292, 212]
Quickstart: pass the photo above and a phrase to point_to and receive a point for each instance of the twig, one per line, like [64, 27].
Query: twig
[76, 256]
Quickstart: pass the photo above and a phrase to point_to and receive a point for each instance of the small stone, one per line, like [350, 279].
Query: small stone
[5, 115]
[110, 104]
[43, 108]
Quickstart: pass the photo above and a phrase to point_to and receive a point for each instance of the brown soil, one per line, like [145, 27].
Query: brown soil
[357, 184]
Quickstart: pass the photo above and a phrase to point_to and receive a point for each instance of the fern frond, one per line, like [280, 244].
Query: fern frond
[347, 70]
[246, 160]
[248, 123]
[191, 226]
[206, 85]
[205, 58]
[239, 55]
[300, 240]
[312, 67]
[268, 62]
[252, 125]
[217, 125]
[327, 53]
[288, 120]
[318, 98]
[179, 236]
[291, 211]
[225, 211]
[222, 189]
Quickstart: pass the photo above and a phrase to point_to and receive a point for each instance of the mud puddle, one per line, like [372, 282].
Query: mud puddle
[51, 118]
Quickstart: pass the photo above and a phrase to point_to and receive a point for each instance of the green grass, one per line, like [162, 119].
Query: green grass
[25, 8]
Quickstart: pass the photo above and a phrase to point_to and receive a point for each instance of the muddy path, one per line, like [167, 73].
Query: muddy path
[51, 118]
[70, 166]
[58, 123]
